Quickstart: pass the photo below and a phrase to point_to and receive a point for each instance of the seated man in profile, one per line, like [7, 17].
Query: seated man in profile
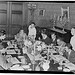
[69, 53]
[60, 44]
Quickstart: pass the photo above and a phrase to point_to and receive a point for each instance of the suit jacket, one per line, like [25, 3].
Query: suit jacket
[47, 40]
[72, 57]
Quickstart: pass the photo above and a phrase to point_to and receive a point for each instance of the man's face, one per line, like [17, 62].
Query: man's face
[58, 41]
[53, 36]
[21, 32]
[32, 25]
[67, 49]
[73, 31]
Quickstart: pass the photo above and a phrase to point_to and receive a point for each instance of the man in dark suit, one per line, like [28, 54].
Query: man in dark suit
[70, 54]
[45, 39]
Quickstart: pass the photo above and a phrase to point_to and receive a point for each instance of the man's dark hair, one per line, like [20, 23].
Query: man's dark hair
[53, 33]
[43, 32]
[59, 38]
[4, 44]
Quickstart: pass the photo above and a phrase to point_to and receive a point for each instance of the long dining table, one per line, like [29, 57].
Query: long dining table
[18, 64]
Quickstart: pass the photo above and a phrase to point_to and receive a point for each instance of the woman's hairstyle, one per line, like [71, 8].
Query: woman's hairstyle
[3, 32]
[32, 23]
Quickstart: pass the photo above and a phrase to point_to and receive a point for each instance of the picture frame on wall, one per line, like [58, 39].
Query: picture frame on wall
[65, 13]
[41, 12]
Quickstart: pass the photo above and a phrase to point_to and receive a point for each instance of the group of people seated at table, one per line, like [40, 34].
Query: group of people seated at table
[65, 49]
[24, 42]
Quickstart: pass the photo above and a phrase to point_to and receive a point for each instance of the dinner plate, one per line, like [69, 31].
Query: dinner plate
[66, 70]
[16, 67]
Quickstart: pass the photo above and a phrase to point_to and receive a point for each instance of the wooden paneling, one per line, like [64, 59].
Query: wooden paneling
[15, 30]
[17, 3]
[3, 19]
[25, 13]
[16, 6]
[3, 5]
[16, 13]
[16, 19]
[3, 13]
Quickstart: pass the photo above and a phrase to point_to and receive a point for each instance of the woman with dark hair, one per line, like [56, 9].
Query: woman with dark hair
[20, 39]
[2, 35]
[45, 38]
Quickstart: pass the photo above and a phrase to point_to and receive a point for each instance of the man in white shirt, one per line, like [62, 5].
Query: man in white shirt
[21, 36]
[72, 41]
[32, 31]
